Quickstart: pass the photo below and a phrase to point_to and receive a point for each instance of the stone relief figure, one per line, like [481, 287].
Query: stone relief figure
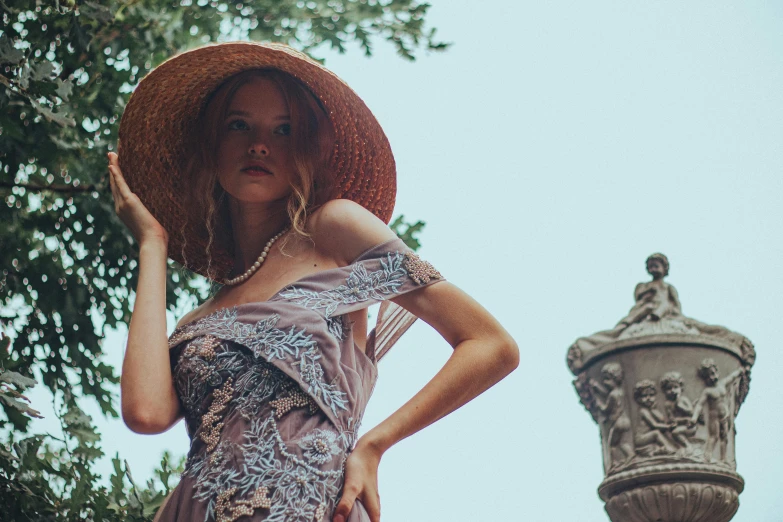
[714, 403]
[678, 409]
[651, 437]
[657, 310]
[610, 401]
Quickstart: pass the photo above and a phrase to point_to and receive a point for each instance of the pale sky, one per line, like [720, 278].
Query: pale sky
[550, 151]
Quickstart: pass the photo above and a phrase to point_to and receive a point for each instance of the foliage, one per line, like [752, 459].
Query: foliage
[407, 231]
[67, 68]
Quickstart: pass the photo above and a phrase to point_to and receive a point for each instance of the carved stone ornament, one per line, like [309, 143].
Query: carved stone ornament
[665, 390]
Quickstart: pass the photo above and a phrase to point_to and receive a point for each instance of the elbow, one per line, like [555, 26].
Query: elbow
[140, 424]
[507, 353]
[143, 421]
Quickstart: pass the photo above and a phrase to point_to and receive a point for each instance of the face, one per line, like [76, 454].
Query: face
[647, 398]
[672, 391]
[655, 268]
[255, 158]
[712, 375]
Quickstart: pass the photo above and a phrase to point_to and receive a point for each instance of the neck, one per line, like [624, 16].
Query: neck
[253, 225]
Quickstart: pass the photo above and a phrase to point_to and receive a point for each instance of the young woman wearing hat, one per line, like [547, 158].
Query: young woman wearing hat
[269, 175]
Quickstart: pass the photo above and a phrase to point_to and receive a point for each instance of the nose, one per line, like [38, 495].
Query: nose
[258, 149]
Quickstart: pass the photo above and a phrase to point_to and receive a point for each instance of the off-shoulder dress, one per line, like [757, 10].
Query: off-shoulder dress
[273, 392]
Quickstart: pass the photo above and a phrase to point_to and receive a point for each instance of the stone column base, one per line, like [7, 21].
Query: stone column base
[672, 495]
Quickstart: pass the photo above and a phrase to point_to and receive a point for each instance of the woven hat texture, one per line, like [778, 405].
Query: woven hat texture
[167, 103]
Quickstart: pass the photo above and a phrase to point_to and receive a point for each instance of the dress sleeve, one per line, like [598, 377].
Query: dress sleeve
[379, 274]
[393, 321]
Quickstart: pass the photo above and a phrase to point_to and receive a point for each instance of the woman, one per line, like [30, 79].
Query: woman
[270, 176]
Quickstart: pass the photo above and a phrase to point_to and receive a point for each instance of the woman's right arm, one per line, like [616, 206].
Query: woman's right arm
[149, 400]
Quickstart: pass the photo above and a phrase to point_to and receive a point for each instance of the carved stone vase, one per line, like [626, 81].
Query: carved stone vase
[664, 390]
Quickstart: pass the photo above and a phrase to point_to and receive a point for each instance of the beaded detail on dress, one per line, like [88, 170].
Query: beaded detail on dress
[243, 508]
[420, 270]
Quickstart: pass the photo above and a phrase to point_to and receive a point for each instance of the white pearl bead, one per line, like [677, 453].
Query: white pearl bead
[255, 266]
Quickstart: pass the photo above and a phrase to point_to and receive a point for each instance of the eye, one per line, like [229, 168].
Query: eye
[237, 125]
[284, 129]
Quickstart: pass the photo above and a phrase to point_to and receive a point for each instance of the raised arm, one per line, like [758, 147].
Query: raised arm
[483, 354]
[733, 376]
[149, 401]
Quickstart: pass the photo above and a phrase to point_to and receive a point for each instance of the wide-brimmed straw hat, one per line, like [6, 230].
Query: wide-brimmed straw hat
[164, 109]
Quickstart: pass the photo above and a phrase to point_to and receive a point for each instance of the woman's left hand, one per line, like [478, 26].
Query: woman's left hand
[361, 482]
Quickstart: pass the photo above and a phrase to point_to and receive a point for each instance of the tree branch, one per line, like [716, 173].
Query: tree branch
[8, 9]
[64, 189]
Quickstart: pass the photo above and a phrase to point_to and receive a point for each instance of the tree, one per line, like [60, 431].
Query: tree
[67, 69]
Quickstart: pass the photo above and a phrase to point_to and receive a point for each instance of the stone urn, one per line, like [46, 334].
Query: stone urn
[665, 390]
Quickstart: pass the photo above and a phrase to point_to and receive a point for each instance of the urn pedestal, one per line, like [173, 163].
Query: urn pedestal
[665, 395]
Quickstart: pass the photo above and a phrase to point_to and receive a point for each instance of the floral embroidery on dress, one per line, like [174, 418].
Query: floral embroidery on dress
[296, 489]
[421, 271]
[348, 433]
[257, 385]
[336, 326]
[360, 286]
[264, 339]
[202, 367]
[320, 445]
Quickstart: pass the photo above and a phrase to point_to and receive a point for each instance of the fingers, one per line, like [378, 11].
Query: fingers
[113, 186]
[373, 506]
[117, 178]
[370, 501]
[346, 504]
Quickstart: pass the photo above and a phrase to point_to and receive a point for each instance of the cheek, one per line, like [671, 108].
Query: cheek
[227, 149]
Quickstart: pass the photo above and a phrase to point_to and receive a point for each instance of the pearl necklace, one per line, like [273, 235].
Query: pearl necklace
[254, 268]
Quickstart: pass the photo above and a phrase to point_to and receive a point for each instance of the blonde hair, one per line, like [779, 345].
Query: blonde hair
[312, 143]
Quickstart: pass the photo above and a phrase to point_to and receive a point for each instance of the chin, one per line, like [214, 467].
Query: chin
[257, 197]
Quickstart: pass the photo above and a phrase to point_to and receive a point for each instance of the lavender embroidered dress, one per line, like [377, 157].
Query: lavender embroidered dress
[273, 392]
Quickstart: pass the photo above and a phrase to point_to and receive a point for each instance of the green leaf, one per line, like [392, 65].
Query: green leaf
[96, 12]
[19, 406]
[42, 71]
[64, 89]
[116, 479]
[9, 55]
[408, 231]
[17, 379]
[23, 78]
[58, 118]
[79, 425]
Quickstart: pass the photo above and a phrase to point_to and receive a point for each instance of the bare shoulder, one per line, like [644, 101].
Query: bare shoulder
[193, 314]
[342, 230]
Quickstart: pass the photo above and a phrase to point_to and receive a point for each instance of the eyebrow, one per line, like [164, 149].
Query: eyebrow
[245, 113]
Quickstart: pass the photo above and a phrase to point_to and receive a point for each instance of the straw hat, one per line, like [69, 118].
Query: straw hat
[167, 103]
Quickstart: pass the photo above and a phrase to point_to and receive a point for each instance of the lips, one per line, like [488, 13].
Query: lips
[257, 170]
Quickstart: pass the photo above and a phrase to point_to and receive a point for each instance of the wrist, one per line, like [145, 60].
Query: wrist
[373, 442]
[154, 244]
